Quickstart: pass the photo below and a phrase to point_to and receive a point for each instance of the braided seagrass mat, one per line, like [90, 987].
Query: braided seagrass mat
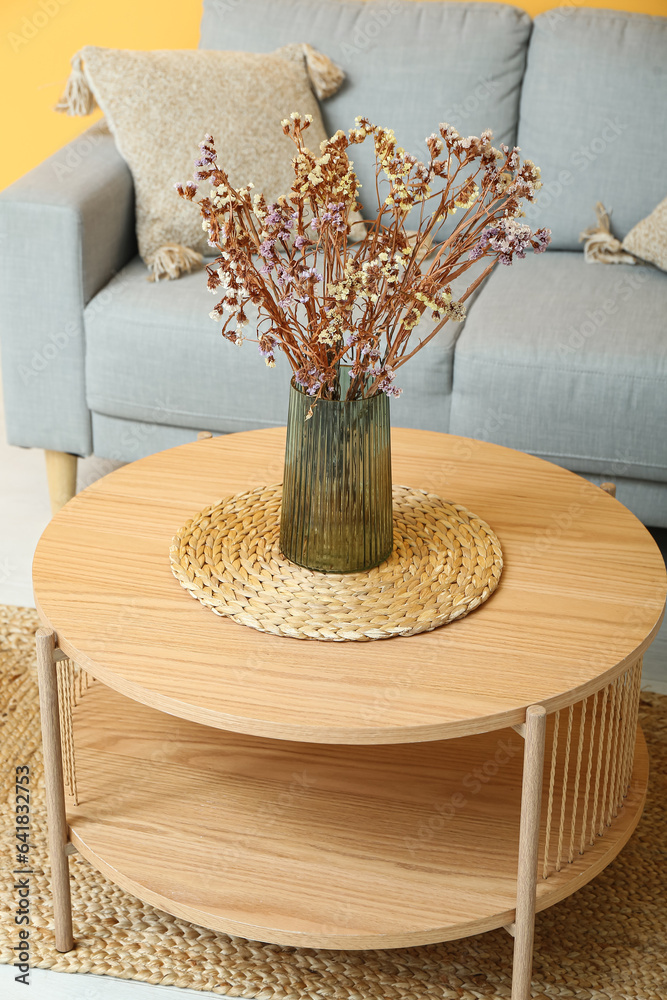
[445, 563]
[606, 942]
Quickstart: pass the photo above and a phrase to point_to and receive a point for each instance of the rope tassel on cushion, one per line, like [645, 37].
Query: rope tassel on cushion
[600, 247]
[78, 98]
[172, 260]
[325, 76]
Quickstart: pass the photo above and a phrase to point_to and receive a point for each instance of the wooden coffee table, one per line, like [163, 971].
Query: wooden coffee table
[358, 794]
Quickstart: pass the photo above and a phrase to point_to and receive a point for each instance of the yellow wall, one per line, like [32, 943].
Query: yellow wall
[37, 40]
[38, 37]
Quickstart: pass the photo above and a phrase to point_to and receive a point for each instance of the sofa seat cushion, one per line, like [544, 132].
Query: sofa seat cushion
[568, 361]
[592, 117]
[154, 355]
[409, 64]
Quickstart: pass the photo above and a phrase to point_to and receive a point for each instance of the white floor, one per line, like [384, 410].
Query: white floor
[47, 985]
[24, 513]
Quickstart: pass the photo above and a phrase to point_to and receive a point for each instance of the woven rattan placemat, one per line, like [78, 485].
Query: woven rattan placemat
[606, 942]
[445, 563]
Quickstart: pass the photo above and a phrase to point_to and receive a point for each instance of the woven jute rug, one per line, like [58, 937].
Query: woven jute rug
[608, 941]
[445, 562]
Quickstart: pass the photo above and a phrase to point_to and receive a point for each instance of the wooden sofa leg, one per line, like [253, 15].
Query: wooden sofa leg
[61, 475]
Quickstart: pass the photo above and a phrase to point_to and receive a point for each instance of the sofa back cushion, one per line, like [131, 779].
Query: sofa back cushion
[593, 118]
[409, 65]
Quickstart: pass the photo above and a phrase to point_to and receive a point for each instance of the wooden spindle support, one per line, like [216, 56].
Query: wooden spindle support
[552, 785]
[563, 801]
[577, 779]
[617, 796]
[615, 747]
[629, 745]
[633, 715]
[55, 794]
[599, 762]
[529, 834]
[66, 693]
[607, 757]
[589, 772]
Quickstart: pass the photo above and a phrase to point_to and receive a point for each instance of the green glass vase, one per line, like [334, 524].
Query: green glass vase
[336, 512]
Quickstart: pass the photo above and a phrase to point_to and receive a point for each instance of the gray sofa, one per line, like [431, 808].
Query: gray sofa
[557, 357]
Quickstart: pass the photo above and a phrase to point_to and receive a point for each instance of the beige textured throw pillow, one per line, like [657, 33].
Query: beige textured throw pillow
[648, 239]
[159, 105]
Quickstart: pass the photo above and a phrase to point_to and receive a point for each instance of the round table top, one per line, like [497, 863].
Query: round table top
[581, 596]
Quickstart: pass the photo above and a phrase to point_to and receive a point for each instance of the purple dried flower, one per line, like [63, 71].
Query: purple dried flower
[274, 217]
[371, 352]
[385, 384]
[284, 276]
[541, 240]
[266, 345]
[310, 379]
[478, 248]
[310, 272]
[507, 238]
[266, 249]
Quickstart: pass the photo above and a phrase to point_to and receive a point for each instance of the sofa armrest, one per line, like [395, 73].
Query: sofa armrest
[65, 229]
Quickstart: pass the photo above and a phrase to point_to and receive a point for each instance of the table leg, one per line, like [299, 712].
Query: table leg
[531, 801]
[55, 791]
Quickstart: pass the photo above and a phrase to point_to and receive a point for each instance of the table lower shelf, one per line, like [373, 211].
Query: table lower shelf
[313, 845]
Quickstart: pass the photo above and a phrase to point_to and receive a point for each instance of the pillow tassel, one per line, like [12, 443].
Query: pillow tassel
[600, 247]
[171, 261]
[325, 76]
[78, 98]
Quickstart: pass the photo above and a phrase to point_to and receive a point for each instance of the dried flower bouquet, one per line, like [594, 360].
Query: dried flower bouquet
[325, 301]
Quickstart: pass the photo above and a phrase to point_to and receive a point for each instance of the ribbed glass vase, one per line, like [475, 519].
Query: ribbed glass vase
[336, 507]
